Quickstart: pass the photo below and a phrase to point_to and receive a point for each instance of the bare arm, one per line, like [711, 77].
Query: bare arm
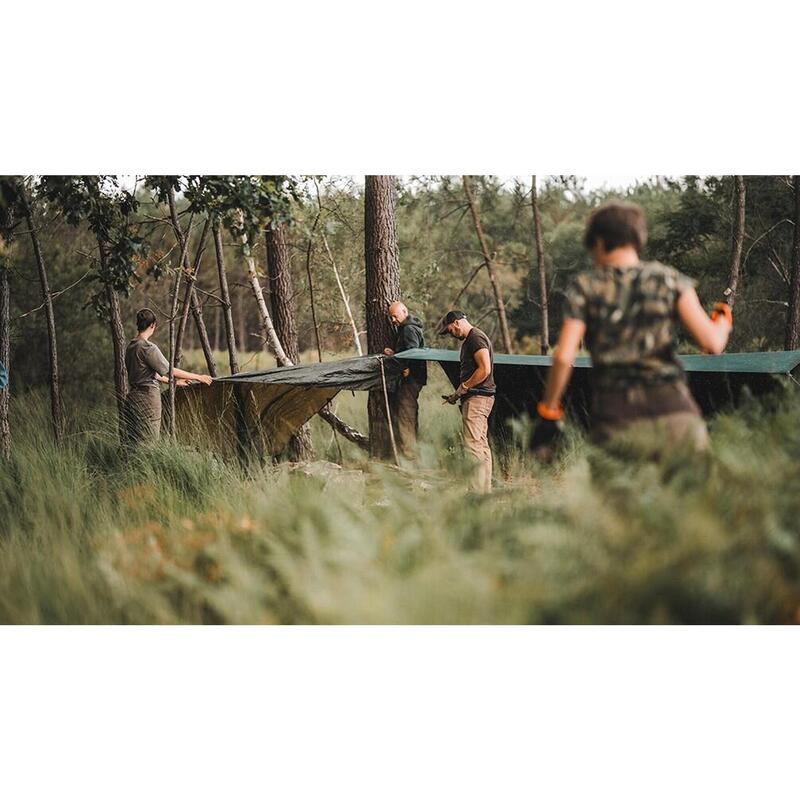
[572, 331]
[482, 370]
[183, 375]
[712, 336]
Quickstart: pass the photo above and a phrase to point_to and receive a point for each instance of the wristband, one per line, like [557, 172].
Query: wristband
[551, 414]
[722, 310]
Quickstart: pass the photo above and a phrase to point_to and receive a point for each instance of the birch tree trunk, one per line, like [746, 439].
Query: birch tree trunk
[383, 287]
[498, 295]
[56, 403]
[793, 316]
[5, 358]
[737, 242]
[226, 298]
[539, 239]
[281, 288]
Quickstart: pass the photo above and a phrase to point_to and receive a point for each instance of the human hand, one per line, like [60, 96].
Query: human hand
[205, 379]
[181, 382]
[545, 432]
[450, 398]
[724, 311]
[387, 351]
[406, 372]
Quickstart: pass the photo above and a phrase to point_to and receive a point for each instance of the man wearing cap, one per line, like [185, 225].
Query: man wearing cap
[476, 391]
[405, 401]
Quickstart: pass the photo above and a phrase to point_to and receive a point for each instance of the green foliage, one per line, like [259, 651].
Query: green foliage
[175, 535]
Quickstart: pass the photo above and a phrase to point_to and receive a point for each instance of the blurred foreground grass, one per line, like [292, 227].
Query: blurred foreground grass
[175, 535]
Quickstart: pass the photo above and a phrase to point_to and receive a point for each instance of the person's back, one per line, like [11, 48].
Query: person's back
[628, 312]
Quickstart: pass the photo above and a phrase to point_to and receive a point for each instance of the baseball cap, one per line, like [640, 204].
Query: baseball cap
[449, 318]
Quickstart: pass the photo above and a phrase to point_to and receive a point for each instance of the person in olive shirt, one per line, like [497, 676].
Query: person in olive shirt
[147, 367]
[476, 391]
[405, 400]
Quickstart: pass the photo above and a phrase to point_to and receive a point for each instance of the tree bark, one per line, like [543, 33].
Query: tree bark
[539, 239]
[56, 403]
[226, 299]
[118, 342]
[345, 300]
[189, 295]
[5, 358]
[498, 296]
[271, 337]
[281, 290]
[202, 334]
[383, 287]
[737, 242]
[793, 316]
[309, 249]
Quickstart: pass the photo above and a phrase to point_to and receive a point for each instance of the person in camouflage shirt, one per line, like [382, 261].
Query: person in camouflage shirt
[628, 313]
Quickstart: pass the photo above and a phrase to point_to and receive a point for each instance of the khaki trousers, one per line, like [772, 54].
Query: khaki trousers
[405, 417]
[475, 410]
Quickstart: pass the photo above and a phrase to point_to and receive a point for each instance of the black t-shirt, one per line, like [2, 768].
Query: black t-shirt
[477, 340]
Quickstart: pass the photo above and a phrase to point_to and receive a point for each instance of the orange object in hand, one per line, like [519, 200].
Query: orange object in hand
[722, 310]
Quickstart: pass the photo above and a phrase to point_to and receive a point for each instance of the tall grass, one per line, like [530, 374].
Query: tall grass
[176, 535]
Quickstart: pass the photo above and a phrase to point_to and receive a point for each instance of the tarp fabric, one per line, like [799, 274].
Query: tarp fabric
[268, 406]
[263, 409]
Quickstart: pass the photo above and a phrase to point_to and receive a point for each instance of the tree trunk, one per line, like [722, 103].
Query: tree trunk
[498, 296]
[383, 287]
[241, 320]
[217, 328]
[226, 299]
[793, 317]
[47, 301]
[309, 249]
[189, 295]
[345, 300]
[737, 242]
[5, 358]
[202, 334]
[271, 337]
[537, 233]
[118, 341]
[281, 290]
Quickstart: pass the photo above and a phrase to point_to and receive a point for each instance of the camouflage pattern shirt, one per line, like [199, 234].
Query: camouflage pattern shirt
[631, 320]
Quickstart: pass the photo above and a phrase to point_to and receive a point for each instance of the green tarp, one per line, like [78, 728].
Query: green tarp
[263, 409]
[268, 406]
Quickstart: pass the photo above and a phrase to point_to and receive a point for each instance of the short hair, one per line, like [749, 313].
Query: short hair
[144, 319]
[617, 224]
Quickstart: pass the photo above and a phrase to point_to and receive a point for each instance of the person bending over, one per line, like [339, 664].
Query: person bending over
[405, 400]
[476, 392]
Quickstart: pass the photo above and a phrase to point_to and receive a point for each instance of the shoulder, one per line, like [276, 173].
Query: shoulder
[479, 339]
[586, 281]
[669, 277]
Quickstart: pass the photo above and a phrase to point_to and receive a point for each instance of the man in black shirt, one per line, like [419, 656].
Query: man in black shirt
[476, 391]
[405, 401]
